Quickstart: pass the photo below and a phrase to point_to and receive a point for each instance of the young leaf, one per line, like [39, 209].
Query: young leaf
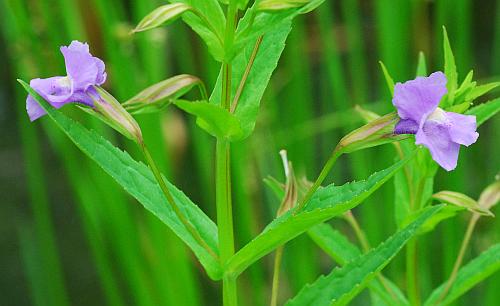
[422, 65]
[263, 66]
[214, 119]
[481, 90]
[138, 181]
[450, 70]
[468, 276]
[164, 14]
[485, 111]
[460, 199]
[388, 78]
[159, 95]
[325, 204]
[342, 284]
[208, 22]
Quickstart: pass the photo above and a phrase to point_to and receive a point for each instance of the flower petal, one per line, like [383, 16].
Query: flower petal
[55, 90]
[83, 69]
[436, 137]
[406, 126]
[417, 98]
[462, 129]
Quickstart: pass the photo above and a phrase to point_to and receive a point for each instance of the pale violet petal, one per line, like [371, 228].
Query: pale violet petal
[462, 128]
[417, 98]
[436, 137]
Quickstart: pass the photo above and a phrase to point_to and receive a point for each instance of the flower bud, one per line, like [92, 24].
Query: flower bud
[290, 199]
[490, 196]
[110, 111]
[376, 132]
[461, 200]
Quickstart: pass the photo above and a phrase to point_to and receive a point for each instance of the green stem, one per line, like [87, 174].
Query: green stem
[322, 176]
[460, 257]
[411, 272]
[225, 217]
[276, 276]
[223, 169]
[171, 201]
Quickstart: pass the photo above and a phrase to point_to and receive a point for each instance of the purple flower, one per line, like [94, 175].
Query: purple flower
[440, 131]
[84, 71]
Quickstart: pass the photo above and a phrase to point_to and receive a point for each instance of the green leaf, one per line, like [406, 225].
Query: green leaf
[159, 95]
[388, 78]
[468, 276]
[209, 23]
[481, 90]
[422, 65]
[337, 246]
[485, 111]
[139, 182]
[214, 119]
[342, 284]
[325, 204]
[162, 15]
[447, 212]
[265, 63]
[450, 70]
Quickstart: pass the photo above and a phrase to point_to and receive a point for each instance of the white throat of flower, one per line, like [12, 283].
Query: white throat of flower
[64, 82]
[438, 115]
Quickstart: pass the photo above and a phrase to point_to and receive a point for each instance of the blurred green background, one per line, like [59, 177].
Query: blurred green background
[70, 236]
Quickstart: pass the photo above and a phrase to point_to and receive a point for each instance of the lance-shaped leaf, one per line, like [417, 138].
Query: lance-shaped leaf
[277, 5]
[485, 111]
[337, 246]
[388, 79]
[478, 91]
[421, 65]
[325, 204]
[159, 95]
[468, 276]
[162, 15]
[460, 199]
[137, 179]
[214, 119]
[342, 284]
[450, 70]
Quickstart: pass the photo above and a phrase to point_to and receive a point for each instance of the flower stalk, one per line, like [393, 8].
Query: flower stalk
[171, 200]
